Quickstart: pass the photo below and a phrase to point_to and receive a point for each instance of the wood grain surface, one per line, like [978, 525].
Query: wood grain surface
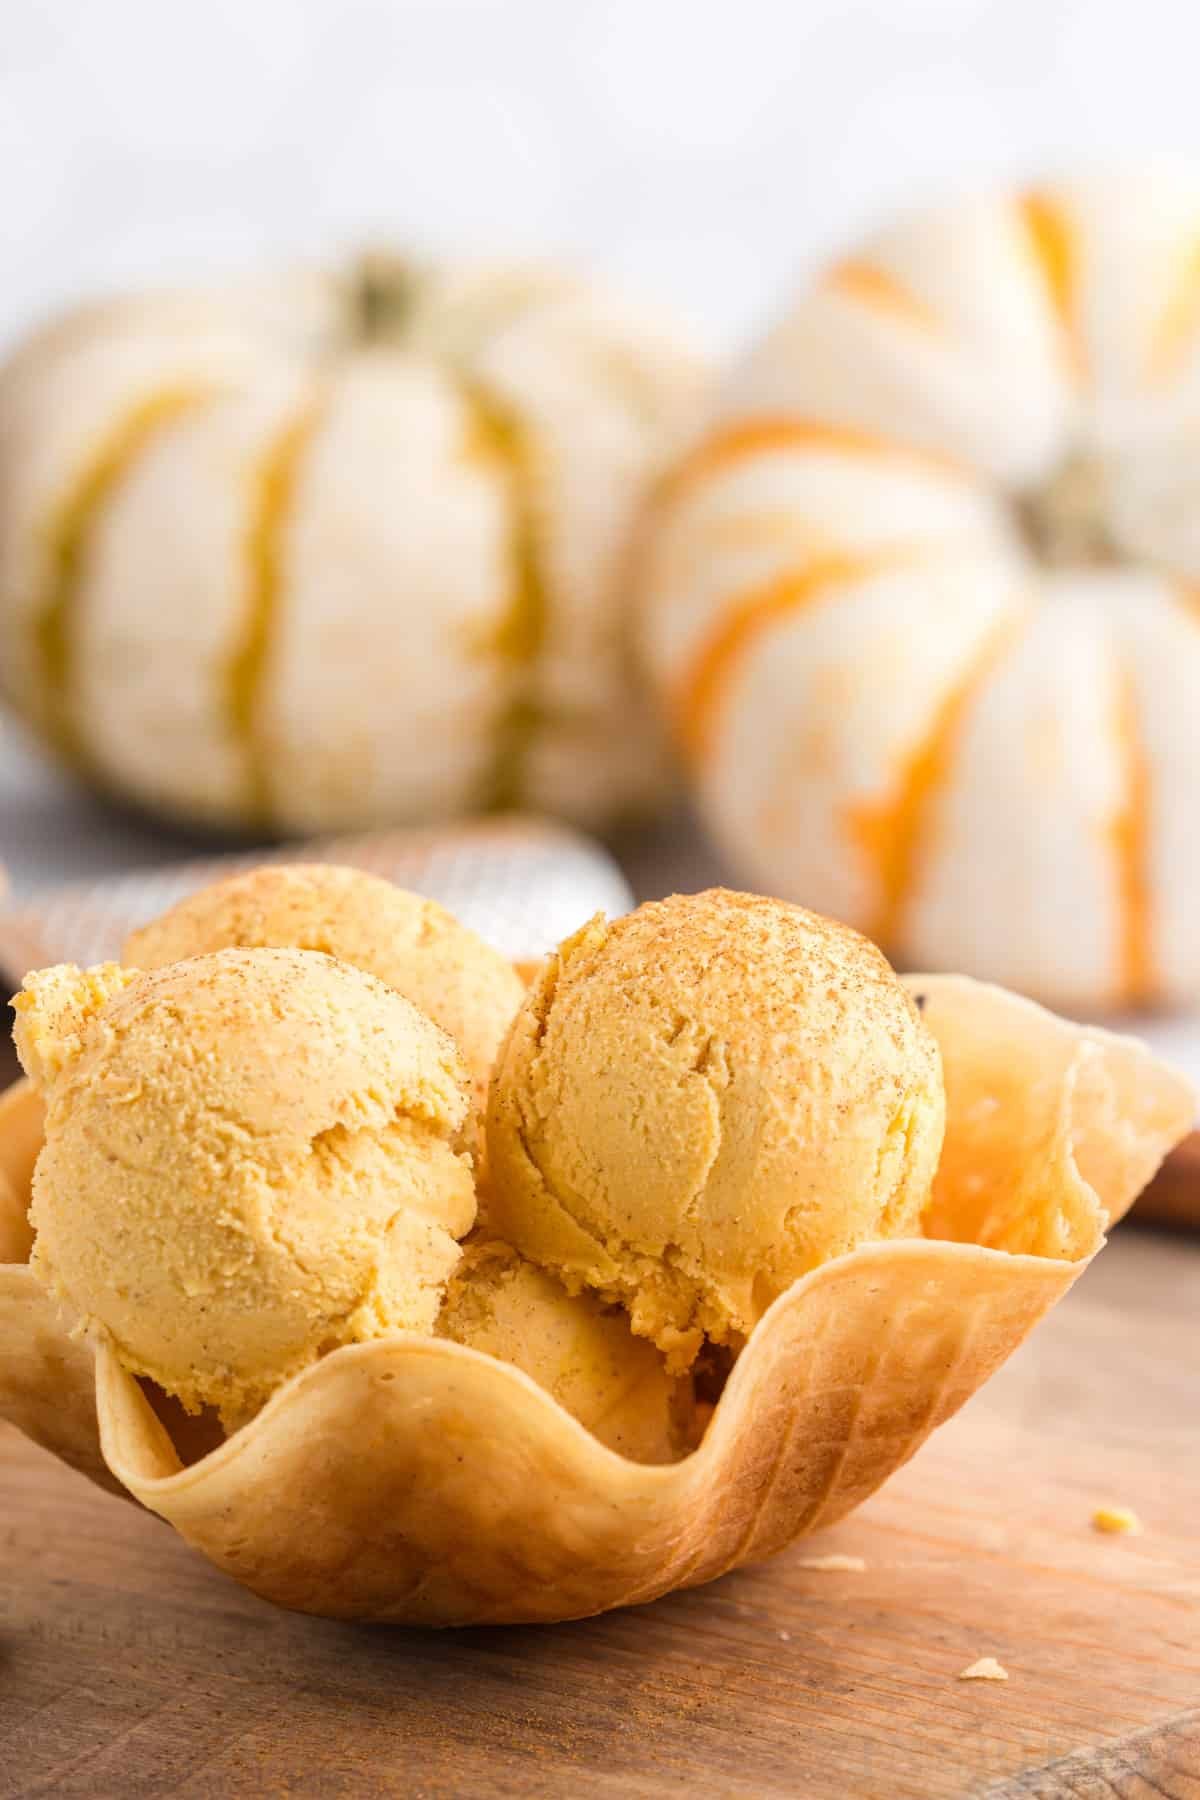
[128, 1667]
[1173, 1197]
[1162, 1761]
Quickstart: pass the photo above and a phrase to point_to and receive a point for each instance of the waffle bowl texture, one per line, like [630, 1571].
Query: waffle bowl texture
[416, 1479]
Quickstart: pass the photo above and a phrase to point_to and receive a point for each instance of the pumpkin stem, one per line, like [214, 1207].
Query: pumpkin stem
[381, 297]
[1065, 520]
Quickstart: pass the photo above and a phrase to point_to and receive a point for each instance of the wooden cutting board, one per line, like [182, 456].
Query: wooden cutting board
[130, 1668]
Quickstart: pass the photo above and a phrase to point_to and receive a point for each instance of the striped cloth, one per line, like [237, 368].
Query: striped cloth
[522, 884]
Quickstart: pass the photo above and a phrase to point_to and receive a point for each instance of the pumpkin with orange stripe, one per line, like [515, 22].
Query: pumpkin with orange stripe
[320, 552]
[922, 604]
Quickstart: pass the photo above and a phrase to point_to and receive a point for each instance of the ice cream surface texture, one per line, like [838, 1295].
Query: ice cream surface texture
[702, 1101]
[580, 1351]
[413, 944]
[250, 1159]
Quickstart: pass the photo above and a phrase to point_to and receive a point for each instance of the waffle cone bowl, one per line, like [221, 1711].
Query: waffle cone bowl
[416, 1480]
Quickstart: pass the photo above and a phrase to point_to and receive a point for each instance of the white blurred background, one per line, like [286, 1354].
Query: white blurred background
[698, 152]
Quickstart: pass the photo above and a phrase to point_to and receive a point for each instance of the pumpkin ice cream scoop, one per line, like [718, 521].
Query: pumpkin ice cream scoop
[703, 1101]
[413, 944]
[250, 1159]
[582, 1352]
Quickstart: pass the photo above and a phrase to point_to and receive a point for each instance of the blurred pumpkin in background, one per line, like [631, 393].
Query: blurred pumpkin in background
[320, 552]
[924, 605]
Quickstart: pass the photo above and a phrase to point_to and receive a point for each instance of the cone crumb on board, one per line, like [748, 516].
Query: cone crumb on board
[832, 1563]
[986, 1669]
[1118, 1521]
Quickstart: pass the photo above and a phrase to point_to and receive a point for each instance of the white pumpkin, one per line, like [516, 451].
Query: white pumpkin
[924, 602]
[324, 552]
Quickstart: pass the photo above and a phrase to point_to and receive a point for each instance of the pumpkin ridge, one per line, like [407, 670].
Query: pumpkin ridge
[880, 291]
[893, 832]
[744, 618]
[1186, 595]
[274, 486]
[66, 535]
[1054, 251]
[1179, 321]
[730, 444]
[499, 437]
[1130, 840]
